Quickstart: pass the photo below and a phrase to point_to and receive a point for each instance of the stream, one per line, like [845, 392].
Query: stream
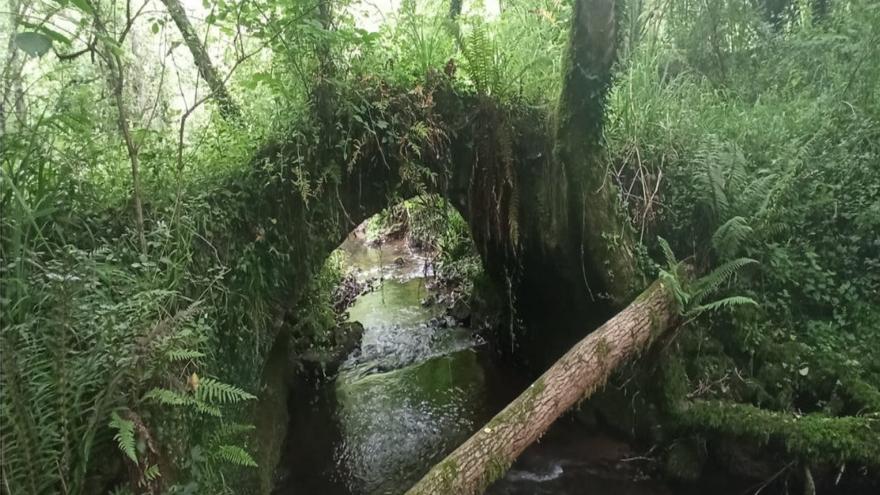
[416, 389]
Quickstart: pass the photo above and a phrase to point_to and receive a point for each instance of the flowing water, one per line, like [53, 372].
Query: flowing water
[415, 390]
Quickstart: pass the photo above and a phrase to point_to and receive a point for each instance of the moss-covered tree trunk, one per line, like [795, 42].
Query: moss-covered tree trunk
[488, 453]
[587, 211]
[583, 232]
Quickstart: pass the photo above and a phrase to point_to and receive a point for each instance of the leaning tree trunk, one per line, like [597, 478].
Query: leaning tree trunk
[209, 73]
[488, 453]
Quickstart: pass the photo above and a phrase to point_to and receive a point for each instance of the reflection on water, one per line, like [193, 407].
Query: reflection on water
[395, 302]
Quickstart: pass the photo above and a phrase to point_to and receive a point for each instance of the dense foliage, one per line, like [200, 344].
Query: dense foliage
[775, 158]
[139, 296]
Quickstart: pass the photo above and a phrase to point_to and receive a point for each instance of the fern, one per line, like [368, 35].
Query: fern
[757, 194]
[708, 284]
[176, 355]
[712, 158]
[233, 454]
[171, 398]
[690, 295]
[124, 436]
[728, 238]
[669, 256]
[152, 473]
[207, 409]
[208, 394]
[216, 392]
[168, 397]
[479, 55]
[227, 430]
[726, 302]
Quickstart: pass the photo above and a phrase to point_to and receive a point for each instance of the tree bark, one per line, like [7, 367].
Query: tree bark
[585, 200]
[488, 453]
[228, 107]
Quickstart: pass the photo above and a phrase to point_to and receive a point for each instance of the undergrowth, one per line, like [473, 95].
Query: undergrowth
[774, 161]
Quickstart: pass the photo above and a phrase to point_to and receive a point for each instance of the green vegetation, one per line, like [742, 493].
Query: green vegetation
[154, 246]
[432, 225]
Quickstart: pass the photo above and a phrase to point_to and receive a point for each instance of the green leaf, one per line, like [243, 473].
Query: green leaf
[216, 392]
[152, 473]
[124, 436]
[727, 302]
[183, 355]
[671, 262]
[83, 6]
[51, 33]
[32, 43]
[235, 455]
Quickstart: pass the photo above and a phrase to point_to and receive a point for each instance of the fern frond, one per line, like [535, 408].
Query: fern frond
[736, 165]
[168, 397]
[755, 198]
[198, 403]
[711, 282]
[670, 279]
[205, 408]
[234, 455]
[176, 355]
[216, 392]
[232, 429]
[728, 238]
[726, 302]
[124, 436]
[152, 472]
[669, 256]
[479, 56]
[715, 176]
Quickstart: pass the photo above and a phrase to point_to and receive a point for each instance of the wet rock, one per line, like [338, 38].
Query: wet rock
[460, 310]
[346, 292]
[346, 337]
[441, 322]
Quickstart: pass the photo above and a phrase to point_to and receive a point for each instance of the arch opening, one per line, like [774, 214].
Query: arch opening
[398, 323]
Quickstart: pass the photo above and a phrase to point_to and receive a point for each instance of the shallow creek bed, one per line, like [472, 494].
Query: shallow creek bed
[415, 388]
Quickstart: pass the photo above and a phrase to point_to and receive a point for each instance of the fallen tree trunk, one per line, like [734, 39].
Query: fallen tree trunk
[486, 456]
[818, 437]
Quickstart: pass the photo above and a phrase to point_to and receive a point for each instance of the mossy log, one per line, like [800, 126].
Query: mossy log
[817, 437]
[489, 452]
